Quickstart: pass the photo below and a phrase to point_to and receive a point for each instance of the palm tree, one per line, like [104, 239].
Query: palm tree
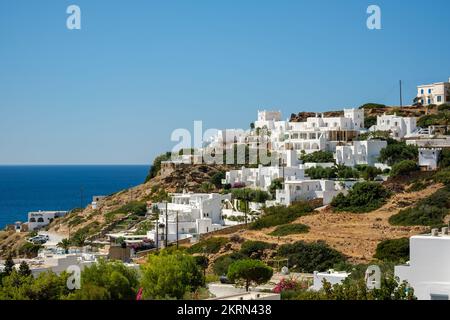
[65, 244]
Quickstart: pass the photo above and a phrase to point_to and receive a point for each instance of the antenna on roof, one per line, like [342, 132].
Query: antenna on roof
[401, 95]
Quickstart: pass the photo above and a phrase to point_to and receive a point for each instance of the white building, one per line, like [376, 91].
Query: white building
[197, 213]
[262, 177]
[398, 126]
[360, 153]
[429, 158]
[40, 219]
[322, 133]
[304, 190]
[331, 276]
[436, 93]
[428, 270]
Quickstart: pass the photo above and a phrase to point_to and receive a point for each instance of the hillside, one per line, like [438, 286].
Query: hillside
[355, 235]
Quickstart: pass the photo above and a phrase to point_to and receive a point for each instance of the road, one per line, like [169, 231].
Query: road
[54, 238]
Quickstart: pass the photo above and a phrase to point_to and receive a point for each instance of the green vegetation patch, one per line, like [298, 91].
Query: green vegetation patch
[404, 168]
[430, 211]
[395, 250]
[318, 157]
[275, 216]
[255, 249]
[289, 229]
[310, 257]
[209, 246]
[363, 197]
[221, 264]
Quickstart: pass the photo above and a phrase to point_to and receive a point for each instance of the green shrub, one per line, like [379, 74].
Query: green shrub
[370, 121]
[221, 264]
[156, 167]
[310, 257]
[404, 168]
[275, 216]
[251, 195]
[216, 179]
[318, 157]
[371, 105]
[363, 197]
[418, 186]
[443, 176]
[30, 250]
[397, 152]
[255, 249]
[321, 173]
[419, 216]
[209, 246]
[444, 107]
[396, 250]
[288, 229]
[430, 211]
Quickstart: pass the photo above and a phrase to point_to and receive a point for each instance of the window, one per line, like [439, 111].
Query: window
[439, 98]
[429, 90]
[421, 91]
[429, 101]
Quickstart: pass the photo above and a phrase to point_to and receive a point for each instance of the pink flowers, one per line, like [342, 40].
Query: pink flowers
[289, 284]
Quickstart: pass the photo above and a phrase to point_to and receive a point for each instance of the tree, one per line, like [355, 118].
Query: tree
[79, 238]
[24, 269]
[310, 257]
[397, 152]
[9, 265]
[396, 250]
[156, 167]
[170, 275]
[216, 179]
[108, 280]
[369, 173]
[318, 157]
[47, 286]
[248, 272]
[255, 249]
[363, 197]
[404, 168]
[203, 262]
[64, 244]
[276, 184]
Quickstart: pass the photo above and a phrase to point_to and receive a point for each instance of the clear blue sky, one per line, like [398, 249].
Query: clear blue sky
[112, 92]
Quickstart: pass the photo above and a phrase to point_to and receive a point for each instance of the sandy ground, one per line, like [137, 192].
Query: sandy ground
[355, 235]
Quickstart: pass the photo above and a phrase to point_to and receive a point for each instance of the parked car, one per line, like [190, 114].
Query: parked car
[40, 239]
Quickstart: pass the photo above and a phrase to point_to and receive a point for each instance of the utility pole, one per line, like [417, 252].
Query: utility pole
[157, 235]
[167, 227]
[401, 95]
[177, 230]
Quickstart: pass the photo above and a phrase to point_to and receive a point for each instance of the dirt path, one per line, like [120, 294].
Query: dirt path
[355, 235]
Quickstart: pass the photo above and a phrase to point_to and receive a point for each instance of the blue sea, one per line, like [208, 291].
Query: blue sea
[33, 188]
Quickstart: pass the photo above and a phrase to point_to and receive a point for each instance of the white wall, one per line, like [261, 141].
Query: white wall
[429, 269]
